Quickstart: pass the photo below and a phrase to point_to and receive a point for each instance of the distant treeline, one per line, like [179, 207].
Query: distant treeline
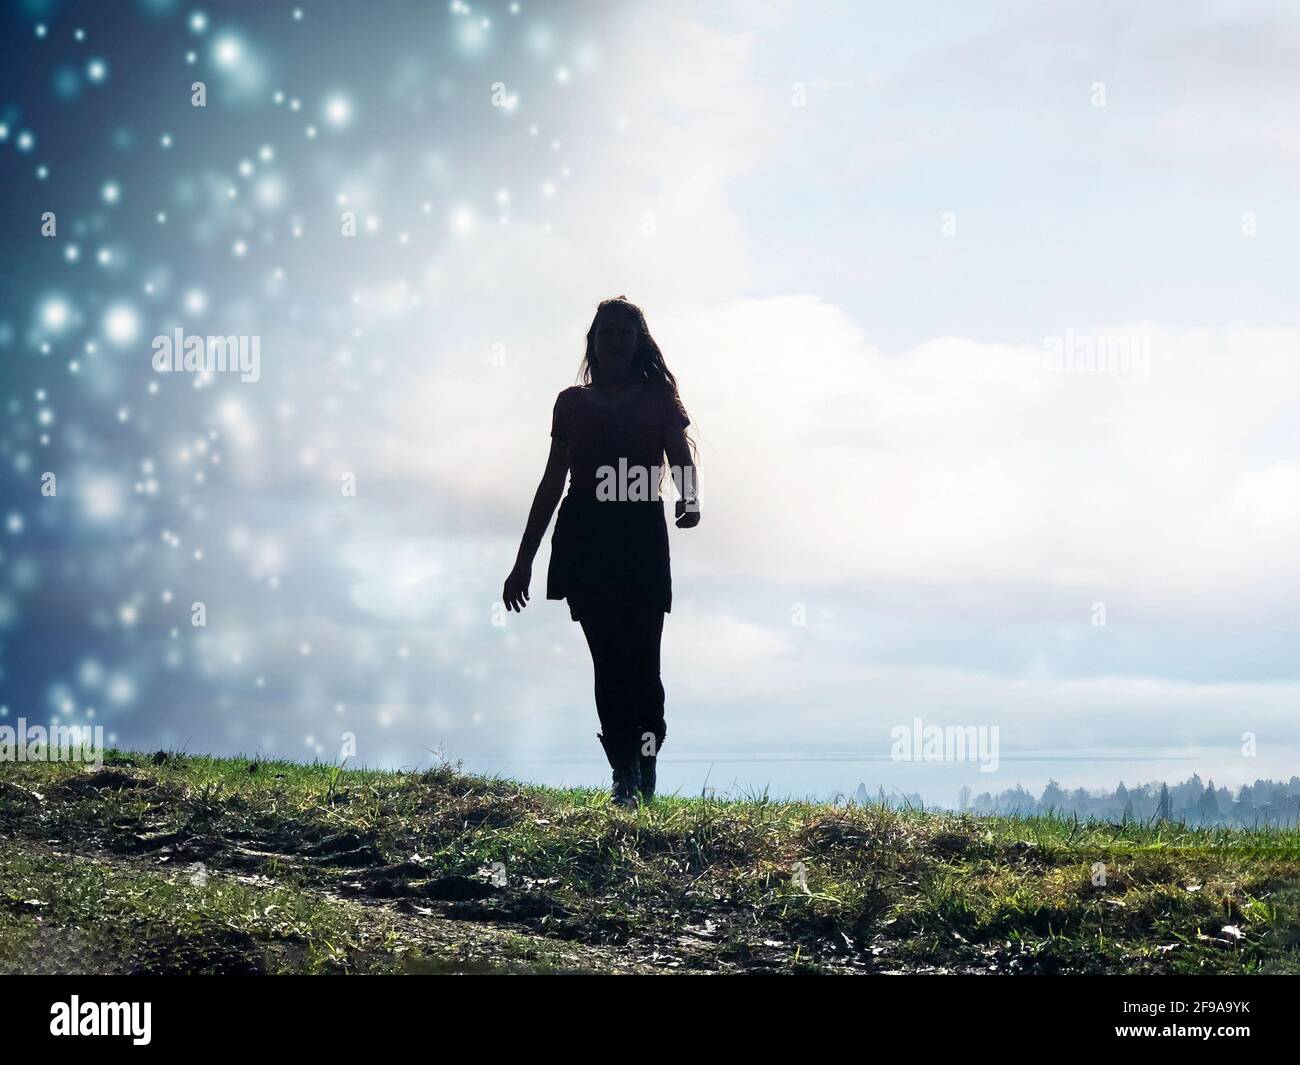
[1265, 802]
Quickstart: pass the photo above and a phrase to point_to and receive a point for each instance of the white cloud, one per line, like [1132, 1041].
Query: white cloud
[828, 461]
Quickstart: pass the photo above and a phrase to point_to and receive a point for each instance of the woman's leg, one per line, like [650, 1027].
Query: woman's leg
[604, 629]
[624, 643]
[599, 627]
[653, 728]
[646, 681]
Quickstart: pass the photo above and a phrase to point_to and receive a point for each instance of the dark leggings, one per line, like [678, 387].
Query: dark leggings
[624, 642]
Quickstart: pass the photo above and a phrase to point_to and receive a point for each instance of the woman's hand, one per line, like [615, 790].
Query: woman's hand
[687, 519]
[515, 592]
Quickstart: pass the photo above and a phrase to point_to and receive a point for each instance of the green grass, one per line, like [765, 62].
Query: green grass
[315, 869]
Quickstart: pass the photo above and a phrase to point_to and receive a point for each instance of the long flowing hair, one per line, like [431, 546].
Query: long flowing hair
[647, 362]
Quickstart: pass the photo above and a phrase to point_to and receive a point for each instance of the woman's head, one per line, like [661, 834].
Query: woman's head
[620, 348]
[619, 345]
[615, 341]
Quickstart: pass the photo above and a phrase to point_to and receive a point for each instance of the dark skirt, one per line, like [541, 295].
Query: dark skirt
[610, 552]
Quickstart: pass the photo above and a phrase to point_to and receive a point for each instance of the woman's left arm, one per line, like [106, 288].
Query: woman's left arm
[685, 476]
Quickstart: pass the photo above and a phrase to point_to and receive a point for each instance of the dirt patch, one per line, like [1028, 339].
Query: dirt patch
[104, 779]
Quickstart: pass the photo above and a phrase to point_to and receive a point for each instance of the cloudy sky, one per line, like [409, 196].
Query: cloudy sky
[987, 322]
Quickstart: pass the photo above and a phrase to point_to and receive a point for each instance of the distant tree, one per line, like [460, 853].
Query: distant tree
[1053, 797]
[1261, 802]
[1016, 801]
[1208, 806]
[1165, 810]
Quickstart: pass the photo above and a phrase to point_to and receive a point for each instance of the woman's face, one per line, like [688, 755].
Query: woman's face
[616, 342]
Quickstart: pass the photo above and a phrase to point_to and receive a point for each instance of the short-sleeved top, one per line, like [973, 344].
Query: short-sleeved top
[615, 551]
[597, 433]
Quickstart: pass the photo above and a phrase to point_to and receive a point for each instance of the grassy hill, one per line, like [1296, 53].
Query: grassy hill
[175, 863]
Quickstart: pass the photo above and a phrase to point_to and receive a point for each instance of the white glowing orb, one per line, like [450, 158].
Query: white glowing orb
[121, 689]
[270, 192]
[462, 220]
[55, 314]
[337, 110]
[196, 301]
[102, 498]
[121, 323]
[228, 51]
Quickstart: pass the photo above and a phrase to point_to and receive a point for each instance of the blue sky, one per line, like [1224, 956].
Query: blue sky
[1066, 211]
[856, 293]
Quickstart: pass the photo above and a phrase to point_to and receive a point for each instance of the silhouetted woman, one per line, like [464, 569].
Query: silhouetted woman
[609, 552]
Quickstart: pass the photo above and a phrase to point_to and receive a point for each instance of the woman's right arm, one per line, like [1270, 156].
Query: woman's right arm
[545, 500]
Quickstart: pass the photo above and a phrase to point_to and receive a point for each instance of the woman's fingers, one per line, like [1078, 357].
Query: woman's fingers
[514, 596]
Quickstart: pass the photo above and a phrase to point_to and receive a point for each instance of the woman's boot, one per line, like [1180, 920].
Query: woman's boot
[624, 760]
[649, 742]
[647, 767]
